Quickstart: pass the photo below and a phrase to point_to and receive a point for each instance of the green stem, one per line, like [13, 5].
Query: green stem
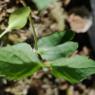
[32, 25]
[34, 32]
[3, 33]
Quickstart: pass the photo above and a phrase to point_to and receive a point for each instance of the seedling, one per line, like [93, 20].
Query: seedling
[21, 60]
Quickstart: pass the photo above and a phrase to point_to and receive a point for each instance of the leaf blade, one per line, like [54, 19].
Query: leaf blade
[43, 4]
[55, 39]
[63, 50]
[18, 18]
[18, 61]
[73, 69]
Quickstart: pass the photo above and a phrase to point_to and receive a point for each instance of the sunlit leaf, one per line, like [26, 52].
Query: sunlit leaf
[18, 19]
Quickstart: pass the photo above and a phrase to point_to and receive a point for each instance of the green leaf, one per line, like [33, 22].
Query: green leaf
[51, 40]
[69, 35]
[73, 69]
[63, 50]
[18, 19]
[55, 39]
[43, 4]
[18, 61]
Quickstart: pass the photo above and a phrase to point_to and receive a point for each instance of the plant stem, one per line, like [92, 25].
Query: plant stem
[34, 32]
[3, 33]
[32, 25]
